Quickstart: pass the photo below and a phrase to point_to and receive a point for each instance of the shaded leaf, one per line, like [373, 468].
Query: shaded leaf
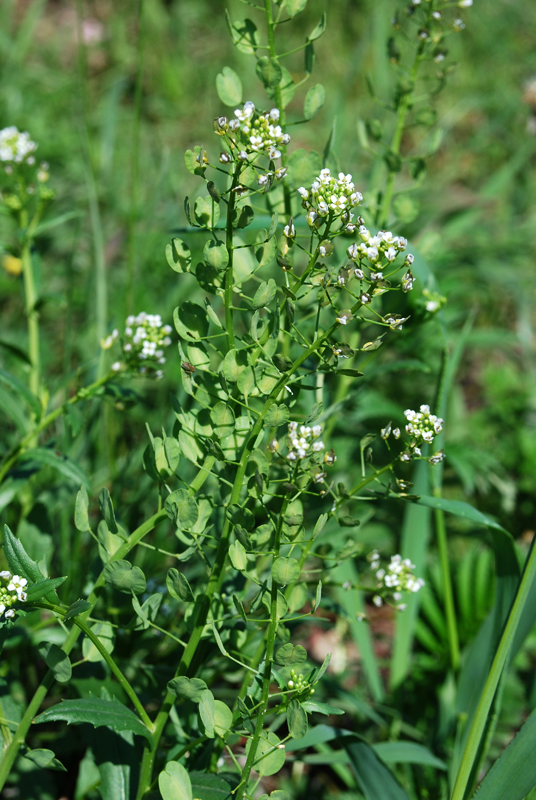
[97, 712]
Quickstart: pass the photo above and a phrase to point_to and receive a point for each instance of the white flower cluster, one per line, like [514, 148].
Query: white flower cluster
[256, 133]
[380, 250]
[422, 425]
[395, 579]
[11, 592]
[303, 441]
[298, 683]
[16, 146]
[145, 338]
[330, 195]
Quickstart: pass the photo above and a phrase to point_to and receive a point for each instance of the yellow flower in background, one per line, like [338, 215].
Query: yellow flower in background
[12, 264]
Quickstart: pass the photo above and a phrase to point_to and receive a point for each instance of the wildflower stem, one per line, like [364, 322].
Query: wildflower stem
[200, 614]
[32, 315]
[403, 108]
[228, 298]
[269, 657]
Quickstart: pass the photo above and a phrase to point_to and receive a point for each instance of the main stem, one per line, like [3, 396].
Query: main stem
[396, 141]
[216, 574]
[267, 676]
[229, 273]
[32, 315]
[278, 96]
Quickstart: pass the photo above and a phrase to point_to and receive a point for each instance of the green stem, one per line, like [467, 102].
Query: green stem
[203, 601]
[278, 97]
[450, 611]
[135, 167]
[31, 437]
[267, 676]
[229, 277]
[403, 108]
[32, 315]
[129, 691]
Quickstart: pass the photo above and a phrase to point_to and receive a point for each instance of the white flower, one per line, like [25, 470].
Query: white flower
[5, 575]
[465, 3]
[275, 114]
[302, 191]
[390, 254]
[116, 366]
[15, 146]
[263, 180]
[377, 601]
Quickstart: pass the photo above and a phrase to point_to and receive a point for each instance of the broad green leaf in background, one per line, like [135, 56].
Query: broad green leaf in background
[96, 711]
[208, 786]
[375, 780]
[57, 661]
[19, 388]
[178, 586]
[289, 654]
[182, 509]
[81, 510]
[123, 576]
[229, 87]
[296, 720]
[314, 100]
[60, 462]
[207, 711]
[45, 759]
[178, 255]
[106, 635]
[174, 782]
[189, 688]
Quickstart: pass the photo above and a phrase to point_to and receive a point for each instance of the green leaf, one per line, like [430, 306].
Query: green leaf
[287, 88]
[233, 364]
[286, 570]
[182, 509]
[407, 753]
[206, 212]
[321, 708]
[192, 161]
[266, 251]
[60, 462]
[19, 388]
[207, 786]
[223, 718]
[45, 759]
[318, 596]
[265, 294]
[178, 586]
[289, 654]
[269, 759]
[76, 608]
[207, 708]
[319, 30]
[147, 612]
[174, 782]
[188, 688]
[44, 587]
[191, 321]
[303, 168]
[314, 100]
[107, 509]
[296, 720]
[513, 775]
[238, 556]
[374, 779]
[244, 34]
[118, 764]
[81, 510]
[124, 577]
[223, 420]
[105, 633]
[19, 561]
[215, 255]
[97, 712]
[294, 7]
[229, 87]
[244, 216]
[268, 71]
[276, 416]
[178, 256]
[57, 661]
